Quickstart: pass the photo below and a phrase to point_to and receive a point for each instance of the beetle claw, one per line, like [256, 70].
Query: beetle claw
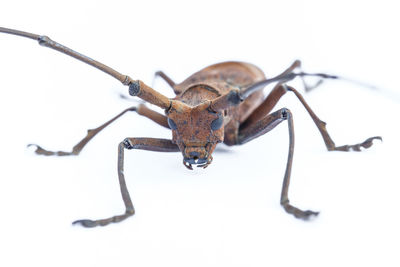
[298, 213]
[357, 147]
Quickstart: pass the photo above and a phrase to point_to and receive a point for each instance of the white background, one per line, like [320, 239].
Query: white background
[228, 214]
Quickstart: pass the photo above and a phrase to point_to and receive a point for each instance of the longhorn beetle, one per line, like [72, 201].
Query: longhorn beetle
[220, 103]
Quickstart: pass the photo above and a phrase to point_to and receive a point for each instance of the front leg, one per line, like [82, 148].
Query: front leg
[152, 144]
[262, 127]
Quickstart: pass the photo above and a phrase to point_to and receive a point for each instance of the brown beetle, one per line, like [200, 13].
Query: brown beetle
[220, 103]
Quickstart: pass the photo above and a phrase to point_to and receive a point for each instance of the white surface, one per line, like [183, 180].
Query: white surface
[228, 214]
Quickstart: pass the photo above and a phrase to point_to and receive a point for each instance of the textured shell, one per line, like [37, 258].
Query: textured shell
[218, 79]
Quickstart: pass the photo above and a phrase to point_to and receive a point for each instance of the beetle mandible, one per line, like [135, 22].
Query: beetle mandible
[220, 103]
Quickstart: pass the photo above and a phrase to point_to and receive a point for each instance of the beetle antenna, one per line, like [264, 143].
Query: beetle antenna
[136, 87]
[283, 78]
[327, 76]
[234, 97]
[357, 82]
[45, 41]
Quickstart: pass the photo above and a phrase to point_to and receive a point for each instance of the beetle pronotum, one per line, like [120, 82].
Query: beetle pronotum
[221, 103]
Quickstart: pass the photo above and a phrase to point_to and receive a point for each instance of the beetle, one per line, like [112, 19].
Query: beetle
[223, 102]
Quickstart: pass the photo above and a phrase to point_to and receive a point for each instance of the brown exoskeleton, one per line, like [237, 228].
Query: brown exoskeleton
[221, 103]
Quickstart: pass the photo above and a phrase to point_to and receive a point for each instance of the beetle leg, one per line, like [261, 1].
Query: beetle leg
[265, 107]
[297, 64]
[141, 110]
[152, 144]
[262, 127]
[321, 125]
[165, 78]
[275, 95]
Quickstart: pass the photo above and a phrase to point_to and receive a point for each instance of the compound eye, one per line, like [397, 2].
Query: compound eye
[217, 123]
[172, 124]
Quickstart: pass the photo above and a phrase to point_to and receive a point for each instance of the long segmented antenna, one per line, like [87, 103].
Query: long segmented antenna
[234, 97]
[281, 79]
[136, 87]
[47, 42]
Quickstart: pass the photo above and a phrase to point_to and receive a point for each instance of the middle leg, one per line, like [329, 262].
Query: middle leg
[141, 110]
[165, 77]
[168, 80]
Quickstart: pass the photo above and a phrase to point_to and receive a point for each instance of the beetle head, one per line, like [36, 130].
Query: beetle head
[196, 130]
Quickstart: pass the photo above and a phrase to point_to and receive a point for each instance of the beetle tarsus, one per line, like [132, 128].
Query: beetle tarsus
[85, 223]
[298, 213]
[357, 147]
[90, 223]
[41, 151]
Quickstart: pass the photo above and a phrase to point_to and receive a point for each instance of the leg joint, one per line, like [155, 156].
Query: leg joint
[127, 143]
[284, 201]
[285, 113]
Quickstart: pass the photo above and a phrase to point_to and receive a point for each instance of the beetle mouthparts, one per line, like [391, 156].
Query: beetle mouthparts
[201, 163]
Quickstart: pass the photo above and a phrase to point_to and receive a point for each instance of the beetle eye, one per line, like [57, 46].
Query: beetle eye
[217, 123]
[172, 124]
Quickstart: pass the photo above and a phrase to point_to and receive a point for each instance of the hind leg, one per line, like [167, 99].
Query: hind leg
[270, 102]
[297, 65]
